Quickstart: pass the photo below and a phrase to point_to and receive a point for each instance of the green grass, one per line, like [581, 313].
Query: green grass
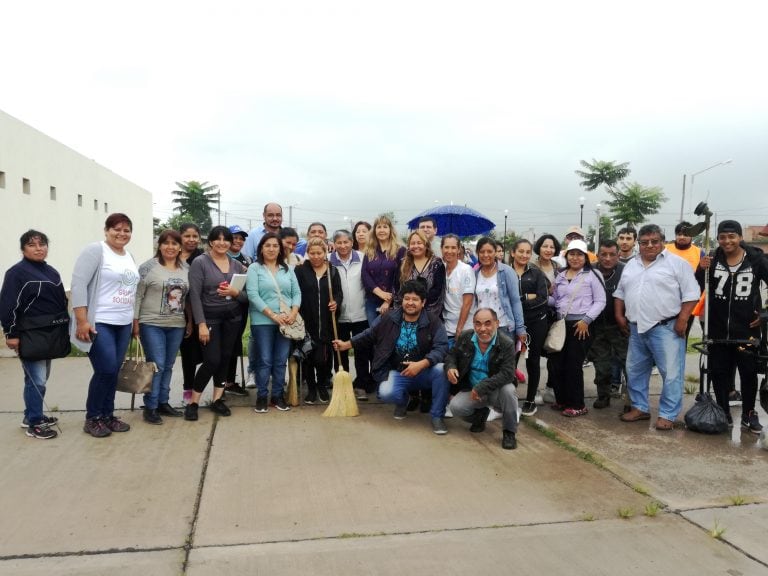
[652, 509]
[626, 512]
[738, 500]
[691, 342]
[717, 531]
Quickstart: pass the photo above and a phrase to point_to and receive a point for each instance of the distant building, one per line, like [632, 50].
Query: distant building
[49, 187]
[755, 236]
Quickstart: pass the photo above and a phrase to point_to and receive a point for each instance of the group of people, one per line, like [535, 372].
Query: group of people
[429, 328]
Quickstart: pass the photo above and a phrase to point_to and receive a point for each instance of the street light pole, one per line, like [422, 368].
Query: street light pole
[723, 163]
[581, 212]
[504, 240]
[597, 229]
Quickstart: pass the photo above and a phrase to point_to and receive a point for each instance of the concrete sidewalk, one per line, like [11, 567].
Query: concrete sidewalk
[295, 493]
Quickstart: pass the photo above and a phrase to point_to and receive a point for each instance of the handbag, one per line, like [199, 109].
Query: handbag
[295, 331]
[135, 376]
[555, 339]
[44, 337]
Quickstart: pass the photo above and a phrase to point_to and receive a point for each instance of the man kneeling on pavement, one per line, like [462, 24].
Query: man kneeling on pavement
[482, 365]
[407, 346]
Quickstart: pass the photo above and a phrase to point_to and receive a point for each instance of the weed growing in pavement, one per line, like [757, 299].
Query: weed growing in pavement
[690, 387]
[641, 490]
[717, 530]
[55, 408]
[652, 509]
[626, 513]
[588, 517]
[585, 455]
[738, 500]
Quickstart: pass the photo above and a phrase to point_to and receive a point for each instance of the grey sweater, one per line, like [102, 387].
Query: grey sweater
[204, 280]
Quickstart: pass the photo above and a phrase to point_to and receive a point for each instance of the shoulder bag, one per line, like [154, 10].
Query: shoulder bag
[135, 376]
[295, 331]
[555, 339]
[44, 337]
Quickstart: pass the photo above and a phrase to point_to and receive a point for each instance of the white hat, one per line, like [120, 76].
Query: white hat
[579, 245]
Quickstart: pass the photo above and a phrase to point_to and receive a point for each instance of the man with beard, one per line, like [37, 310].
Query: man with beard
[407, 346]
[273, 221]
[683, 246]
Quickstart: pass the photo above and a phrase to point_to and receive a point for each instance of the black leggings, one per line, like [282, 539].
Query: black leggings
[216, 354]
[237, 351]
[191, 356]
[317, 367]
[569, 378]
[537, 333]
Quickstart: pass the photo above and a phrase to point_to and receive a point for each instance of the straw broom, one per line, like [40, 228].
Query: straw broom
[343, 402]
[293, 382]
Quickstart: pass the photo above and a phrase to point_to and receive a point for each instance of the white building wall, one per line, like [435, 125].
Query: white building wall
[31, 166]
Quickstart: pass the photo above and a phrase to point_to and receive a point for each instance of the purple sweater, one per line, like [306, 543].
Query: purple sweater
[381, 272]
[589, 298]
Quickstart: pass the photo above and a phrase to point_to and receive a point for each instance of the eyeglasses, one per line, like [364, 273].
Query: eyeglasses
[649, 242]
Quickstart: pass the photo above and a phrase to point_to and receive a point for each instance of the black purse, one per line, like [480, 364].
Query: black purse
[44, 337]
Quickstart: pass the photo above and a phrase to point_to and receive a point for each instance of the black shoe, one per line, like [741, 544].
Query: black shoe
[236, 390]
[311, 397]
[166, 409]
[279, 403]
[602, 402]
[528, 408]
[479, 419]
[438, 426]
[41, 432]
[46, 421]
[116, 425]
[220, 408]
[401, 411]
[508, 440]
[262, 405]
[96, 428]
[151, 416]
[751, 422]
[322, 394]
[190, 412]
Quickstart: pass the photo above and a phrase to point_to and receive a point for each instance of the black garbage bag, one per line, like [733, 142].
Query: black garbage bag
[706, 416]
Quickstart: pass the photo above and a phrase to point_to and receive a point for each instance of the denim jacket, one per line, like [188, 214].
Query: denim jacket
[509, 295]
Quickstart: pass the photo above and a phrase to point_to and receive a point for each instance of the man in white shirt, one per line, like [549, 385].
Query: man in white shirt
[654, 299]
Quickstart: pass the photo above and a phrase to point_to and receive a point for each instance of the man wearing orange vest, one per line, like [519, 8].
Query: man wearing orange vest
[683, 246]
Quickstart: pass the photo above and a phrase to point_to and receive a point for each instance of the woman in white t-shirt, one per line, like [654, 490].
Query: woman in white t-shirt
[104, 284]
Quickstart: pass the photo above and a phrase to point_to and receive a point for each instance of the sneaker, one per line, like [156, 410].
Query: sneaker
[187, 397]
[573, 412]
[493, 415]
[41, 431]
[322, 394]
[220, 408]
[311, 397]
[235, 389]
[438, 426]
[401, 411]
[448, 413]
[116, 425]
[262, 406]
[251, 382]
[279, 403]
[548, 395]
[508, 440]
[529, 408]
[602, 402]
[47, 420]
[190, 412]
[166, 409]
[96, 428]
[734, 398]
[479, 418]
[361, 394]
[751, 422]
[151, 416]
[539, 400]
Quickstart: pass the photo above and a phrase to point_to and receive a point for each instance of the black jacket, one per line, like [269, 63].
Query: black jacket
[533, 281]
[30, 289]
[315, 298]
[501, 362]
[734, 297]
[381, 338]
[608, 316]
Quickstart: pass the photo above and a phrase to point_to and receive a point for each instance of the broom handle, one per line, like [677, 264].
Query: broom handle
[333, 316]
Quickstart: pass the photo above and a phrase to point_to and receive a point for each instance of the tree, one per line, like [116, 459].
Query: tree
[173, 223]
[607, 230]
[196, 200]
[633, 203]
[602, 173]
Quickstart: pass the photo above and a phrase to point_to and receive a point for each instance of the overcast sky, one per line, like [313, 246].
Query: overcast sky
[345, 109]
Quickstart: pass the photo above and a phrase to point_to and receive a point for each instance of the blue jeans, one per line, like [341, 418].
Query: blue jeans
[161, 344]
[106, 356]
[660, 345]
[36, 373]
[272, 350]
[396, 388]
[370, 310]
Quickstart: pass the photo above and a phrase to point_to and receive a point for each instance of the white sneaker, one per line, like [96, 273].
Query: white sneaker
[539, 401]
[251, 382]
[448, 413]
[548, 395]
[493, 415]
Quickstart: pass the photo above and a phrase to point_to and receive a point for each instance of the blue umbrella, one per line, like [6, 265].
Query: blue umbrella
[458, 220]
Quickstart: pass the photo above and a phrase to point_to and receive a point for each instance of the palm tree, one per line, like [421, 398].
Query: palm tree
[632, 203]
[602, 172]
[197, 200]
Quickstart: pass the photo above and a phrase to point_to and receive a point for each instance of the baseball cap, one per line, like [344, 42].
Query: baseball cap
[574, 230]
[727, 226]
[235, 229]
[579, 245]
